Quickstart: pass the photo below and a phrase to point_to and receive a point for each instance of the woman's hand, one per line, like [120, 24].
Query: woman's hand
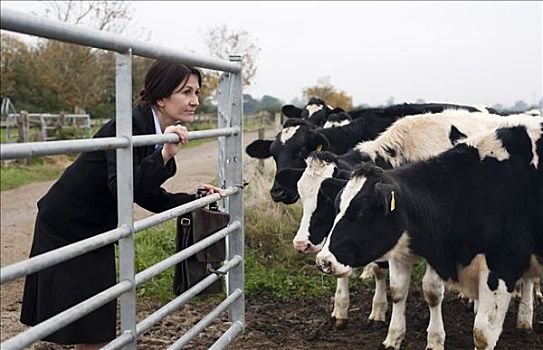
[212, 189]
[170, 149]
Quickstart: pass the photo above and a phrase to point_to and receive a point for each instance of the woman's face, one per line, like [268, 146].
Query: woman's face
[181, 105]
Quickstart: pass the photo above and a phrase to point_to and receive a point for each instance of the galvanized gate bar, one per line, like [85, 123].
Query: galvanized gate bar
[143, 140]
[33, 25]
[35, 149]
[172, 306]
[165, 264]
[185, 296]
[180, 210]
[66, 317]
[235, 329]
[233, 297]
[53, 257]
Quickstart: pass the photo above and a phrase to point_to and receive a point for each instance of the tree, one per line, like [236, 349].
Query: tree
[223, 42]
[111, 16]
[325, 90]
[520, 106]
[82, 76]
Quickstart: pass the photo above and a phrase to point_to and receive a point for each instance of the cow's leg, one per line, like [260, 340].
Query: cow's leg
[526, 305]
[537, 287]
[341, 303]
[380, 303]
[434, 288]
[400, 275]
[491, 312]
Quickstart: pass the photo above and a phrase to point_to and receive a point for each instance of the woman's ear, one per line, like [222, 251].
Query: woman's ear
[160, 103]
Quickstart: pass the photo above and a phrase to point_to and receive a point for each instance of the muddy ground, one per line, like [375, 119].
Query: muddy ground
[305, 324]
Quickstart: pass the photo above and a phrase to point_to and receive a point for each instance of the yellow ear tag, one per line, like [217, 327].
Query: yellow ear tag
[392, 202]
[319, 148]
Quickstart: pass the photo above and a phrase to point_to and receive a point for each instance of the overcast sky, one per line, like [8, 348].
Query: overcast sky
[462, 52]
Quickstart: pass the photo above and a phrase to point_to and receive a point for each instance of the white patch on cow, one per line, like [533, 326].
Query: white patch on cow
[535, 134]
[488, 145]
[379, 303]
[525, 313]
[468, 277]
[341, 299]
[493, 305]
[325, 259]
[401, 250]
[434, 288]
[308, 188]
[400, 275]
[313, 108]
[288, 133]
[336, 124]
[420, 137]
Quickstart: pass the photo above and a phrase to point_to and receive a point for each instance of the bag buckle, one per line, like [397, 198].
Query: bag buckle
[212, 270]
[185, 221]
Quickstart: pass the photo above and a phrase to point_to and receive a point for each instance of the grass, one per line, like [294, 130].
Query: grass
[14, 174]
[273, 268]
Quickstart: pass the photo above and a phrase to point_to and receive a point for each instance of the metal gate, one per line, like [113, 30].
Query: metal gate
[230, 175]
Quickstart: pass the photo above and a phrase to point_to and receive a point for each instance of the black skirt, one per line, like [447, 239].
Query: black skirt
[59, 287]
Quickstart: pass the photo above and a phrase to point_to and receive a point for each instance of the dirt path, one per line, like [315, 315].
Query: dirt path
[18, 210]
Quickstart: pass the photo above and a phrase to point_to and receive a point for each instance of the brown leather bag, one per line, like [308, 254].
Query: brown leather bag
[192, 228]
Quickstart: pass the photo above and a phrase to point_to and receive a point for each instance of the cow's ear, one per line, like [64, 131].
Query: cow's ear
[259, 149]
[289, 177]
[291, 111]
[387, 195]
[316, 141]
[330, 187]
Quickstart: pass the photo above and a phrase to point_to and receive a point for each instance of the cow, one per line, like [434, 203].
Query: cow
[317, 113]
[473, 212]
[408, 139]
[299, 137]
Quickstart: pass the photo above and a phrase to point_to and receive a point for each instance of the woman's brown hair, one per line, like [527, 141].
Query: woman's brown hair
[161, 80]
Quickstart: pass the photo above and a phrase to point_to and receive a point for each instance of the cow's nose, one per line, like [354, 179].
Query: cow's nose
[277, 195]
[301, 246]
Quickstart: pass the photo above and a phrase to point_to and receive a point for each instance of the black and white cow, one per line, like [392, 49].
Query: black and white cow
[316, 112]
[337, 119]
[409, 139]
[473, 212]
[298, 138]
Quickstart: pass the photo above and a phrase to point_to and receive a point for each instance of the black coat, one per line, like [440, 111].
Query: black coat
[81, 204]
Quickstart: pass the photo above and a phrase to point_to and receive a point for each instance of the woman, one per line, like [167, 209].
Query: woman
[83, 203]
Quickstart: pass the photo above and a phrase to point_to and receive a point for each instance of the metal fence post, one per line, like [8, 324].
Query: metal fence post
[230, 110]
[125, 195]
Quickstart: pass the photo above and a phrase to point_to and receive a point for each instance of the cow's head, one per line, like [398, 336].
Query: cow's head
[318, 207]
[368, 224]
[291, 146]
[337, 119]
